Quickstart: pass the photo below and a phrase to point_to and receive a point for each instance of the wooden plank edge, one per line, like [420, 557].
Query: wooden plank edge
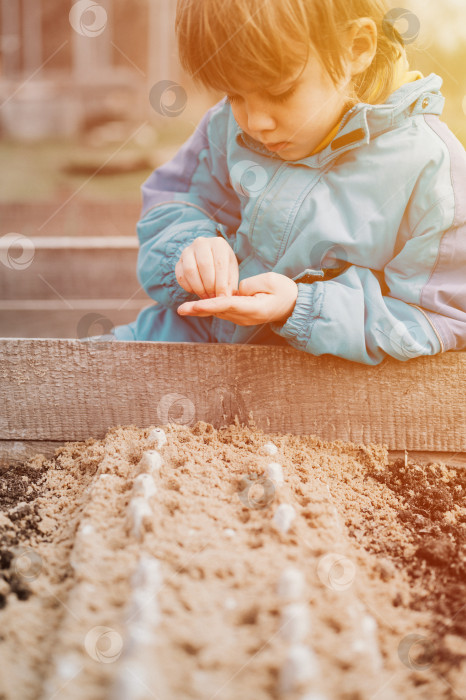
[74, 304]
[451, 459]
[91, 243]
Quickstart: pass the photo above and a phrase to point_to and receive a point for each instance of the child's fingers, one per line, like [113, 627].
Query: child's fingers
[222, 262]
[181, 279]
[233, 275]
[190, 272]
[208, 267]
[205, 253]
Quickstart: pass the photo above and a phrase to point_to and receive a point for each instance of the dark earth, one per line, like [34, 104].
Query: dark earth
[440, 557]
[19, 488]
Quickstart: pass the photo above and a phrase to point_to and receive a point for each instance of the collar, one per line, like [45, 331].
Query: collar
[364, 121]
[402, 76]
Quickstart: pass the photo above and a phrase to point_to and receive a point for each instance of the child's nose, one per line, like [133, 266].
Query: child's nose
[259, 119]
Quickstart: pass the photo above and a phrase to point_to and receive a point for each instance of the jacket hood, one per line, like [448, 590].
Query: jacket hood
[364, 121]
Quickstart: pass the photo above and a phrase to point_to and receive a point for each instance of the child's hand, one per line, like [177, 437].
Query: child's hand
[208, 267]
[265, 298]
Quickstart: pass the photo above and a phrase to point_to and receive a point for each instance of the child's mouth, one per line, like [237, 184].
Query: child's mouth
[277, 146]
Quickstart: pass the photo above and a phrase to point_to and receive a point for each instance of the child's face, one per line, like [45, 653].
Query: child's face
[309, 111]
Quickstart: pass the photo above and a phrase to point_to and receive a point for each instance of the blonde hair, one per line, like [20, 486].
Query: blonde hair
[221, 43]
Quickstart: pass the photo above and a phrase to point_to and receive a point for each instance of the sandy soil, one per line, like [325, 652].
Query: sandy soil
[185, 583]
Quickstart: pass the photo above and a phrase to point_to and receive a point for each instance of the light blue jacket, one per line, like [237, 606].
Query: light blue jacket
[384, 204]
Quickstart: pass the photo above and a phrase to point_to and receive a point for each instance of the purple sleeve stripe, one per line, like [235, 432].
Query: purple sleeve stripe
[177, 173]
[458, 164]
[445, 291]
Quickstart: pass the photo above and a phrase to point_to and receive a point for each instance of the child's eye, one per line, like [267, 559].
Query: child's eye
[274, 98]
[284, 95]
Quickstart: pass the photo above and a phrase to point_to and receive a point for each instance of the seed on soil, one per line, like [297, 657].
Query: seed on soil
[283, 517]
[86, 529]
[144, 485]
[367, 643]
[275, 472]
[299, 668]
[137, 671]
[230, 603]
[68, 666]
[229, 532]
[269, 449]
[140, 517]
[294, 622]
[147, 574]
[158, 436]
[150, 462]
[291, 584]
[144, 613]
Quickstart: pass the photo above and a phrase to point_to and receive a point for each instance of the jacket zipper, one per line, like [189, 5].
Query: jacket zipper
[259, 201]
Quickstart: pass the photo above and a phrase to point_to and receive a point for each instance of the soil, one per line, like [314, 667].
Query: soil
[190, 602]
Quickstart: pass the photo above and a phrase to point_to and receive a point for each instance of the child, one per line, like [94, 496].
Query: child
[349, 237]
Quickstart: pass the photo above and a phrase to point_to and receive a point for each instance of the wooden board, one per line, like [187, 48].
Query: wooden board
[66, 268]
[45, 319]
[66, 281]
[74, 215]
[67, 390]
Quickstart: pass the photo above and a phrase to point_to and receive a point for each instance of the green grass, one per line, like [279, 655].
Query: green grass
[33, 172]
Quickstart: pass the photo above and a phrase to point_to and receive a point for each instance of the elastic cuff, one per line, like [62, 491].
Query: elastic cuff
[450, 338]
[298, 326]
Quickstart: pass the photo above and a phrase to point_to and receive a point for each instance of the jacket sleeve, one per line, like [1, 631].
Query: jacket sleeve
[189, 196]
[415, 306]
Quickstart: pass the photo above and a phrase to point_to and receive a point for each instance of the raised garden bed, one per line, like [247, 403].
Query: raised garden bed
[295, 530]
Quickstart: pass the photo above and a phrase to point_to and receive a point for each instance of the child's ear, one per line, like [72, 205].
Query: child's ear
[362, 44]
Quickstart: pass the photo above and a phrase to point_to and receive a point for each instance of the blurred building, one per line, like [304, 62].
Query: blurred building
[69, 64]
